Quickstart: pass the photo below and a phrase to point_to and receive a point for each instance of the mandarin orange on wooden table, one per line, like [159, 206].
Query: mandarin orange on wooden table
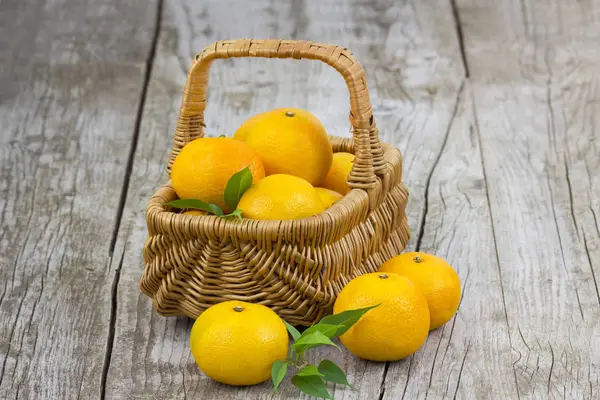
[236, 342]
[395, 329]
[435, 277]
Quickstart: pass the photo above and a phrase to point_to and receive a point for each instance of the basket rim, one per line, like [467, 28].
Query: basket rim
[324, 227]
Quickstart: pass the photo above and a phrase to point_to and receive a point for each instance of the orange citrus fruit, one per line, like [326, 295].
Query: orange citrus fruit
[248, 126]
[392, 331]
[280, 197]
[236, 343]
[203, 167]
[289, 141]
[195, 212]
[337, 176]
[435, 277]
[327, 196]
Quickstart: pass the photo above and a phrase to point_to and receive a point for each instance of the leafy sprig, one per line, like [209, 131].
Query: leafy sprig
[235, 188]
[309, 378]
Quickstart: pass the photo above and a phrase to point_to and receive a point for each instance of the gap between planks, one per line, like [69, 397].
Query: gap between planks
[421, 233]
[459, 36]
[463, 55]
[119, 216]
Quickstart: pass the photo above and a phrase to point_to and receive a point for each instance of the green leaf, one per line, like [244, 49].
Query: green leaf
[325, 329]
[311, 340]
[332, 373]
[222, 136]
[312, 386]
[293, 331]
[309, 370]
[215, 209]
[196, 205]
[235, 214]
[236, 186]
[345, 319]
[278, 371]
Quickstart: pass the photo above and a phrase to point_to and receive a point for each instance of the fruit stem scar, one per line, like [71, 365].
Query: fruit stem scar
[383, 276]
[417, 259]
[238, 308]
[289, 114]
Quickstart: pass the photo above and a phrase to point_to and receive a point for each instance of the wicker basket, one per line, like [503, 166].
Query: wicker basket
[294, 267]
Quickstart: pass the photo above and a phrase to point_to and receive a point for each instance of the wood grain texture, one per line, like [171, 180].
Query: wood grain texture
[536, 115]
[70, 80]
[471, 355]
[414, 71]
[501, 166]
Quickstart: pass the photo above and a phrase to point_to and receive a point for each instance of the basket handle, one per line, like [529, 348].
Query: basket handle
[369, 160]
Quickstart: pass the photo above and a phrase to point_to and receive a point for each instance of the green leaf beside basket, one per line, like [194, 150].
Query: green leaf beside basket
[310, 340]
[345, 319]
[311, 385]
[326, 329]
[278, 371]
[311, 379]
[309, 370]
[332, 373]
[293, 331]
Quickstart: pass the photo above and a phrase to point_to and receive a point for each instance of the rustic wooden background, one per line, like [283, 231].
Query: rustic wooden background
[494, 105]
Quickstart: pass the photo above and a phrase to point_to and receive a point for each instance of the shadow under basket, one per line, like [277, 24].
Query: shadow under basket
[295, 267]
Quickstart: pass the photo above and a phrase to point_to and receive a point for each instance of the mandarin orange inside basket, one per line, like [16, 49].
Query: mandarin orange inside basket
[294, 267]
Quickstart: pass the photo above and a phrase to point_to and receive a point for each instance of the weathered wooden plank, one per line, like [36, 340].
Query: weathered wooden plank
[537, 123]
[470, 356]
[70, 79]
[414, 70]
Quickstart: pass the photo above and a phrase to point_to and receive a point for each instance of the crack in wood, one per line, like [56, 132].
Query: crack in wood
[434, 359]
[551, 366]
[571, 203]
[494, 237]
[407, 376]
[462, 296]
[12, 332]
[560, 240]
[137, 126]
[123, 198]
[459, 33]
[462, 365]
[587, 252]
[435, 163]
[382, 386]
[495, 240]
[423, 223]
[579, 303]
[523, 338]
[595, 220]
[111, 332]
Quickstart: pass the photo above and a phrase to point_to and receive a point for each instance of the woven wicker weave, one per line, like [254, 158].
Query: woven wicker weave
[294, 267]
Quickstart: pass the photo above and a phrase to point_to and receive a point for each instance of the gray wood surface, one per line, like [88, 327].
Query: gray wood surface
[469, 357]
[493, 105]
[70, 83]
[536, 121]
